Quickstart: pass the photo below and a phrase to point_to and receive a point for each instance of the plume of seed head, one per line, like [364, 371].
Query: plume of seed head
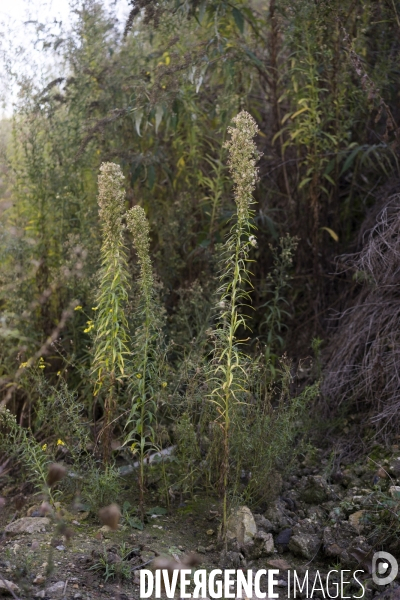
[138, 225]
[111, 200]
[243, 156]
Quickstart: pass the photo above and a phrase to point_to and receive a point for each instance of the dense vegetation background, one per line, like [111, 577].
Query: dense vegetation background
[321, 80]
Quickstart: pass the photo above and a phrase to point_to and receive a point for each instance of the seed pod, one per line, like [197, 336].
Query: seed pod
[110, 516]
[19, 501]
[55, 474]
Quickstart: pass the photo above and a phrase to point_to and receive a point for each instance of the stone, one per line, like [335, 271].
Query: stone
[6, 586]
[232, 560]
[261, 545]
[314, 490]
[28, 525]
[337, 538]
[341, 540]
[306, 540]
[316, 513]
[268, 542]
[241, 525]
[305, 545]
[282, 539]
[356, 520]
[279, 563]
[277, 515]
[56, 590]
[263, 523]
[336, 514]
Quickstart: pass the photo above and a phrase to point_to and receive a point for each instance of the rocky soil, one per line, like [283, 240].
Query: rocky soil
[330, 515]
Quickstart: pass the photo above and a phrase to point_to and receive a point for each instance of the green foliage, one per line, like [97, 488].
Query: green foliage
[321, 80]
[277, 286]
[112, 566]
[20, 443]
[101, 486]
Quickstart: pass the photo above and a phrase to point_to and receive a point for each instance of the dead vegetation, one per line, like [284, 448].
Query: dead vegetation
[363, 358]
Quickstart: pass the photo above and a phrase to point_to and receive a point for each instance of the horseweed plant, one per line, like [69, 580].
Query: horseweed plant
[111, 327]
[147, 343]
[17, 441]
[228, 373]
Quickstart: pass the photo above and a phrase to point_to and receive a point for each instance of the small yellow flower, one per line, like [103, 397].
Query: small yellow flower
[23, 365]
[60, 443]
[138, 376]
[89, 327]
[44, 447]
[133, 447]
[78, 307]
[164, 384]
[41, 364]
[95, 308]
[58, 373]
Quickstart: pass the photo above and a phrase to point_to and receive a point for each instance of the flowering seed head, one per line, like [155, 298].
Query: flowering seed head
[138, 225]
[111, 200]
[243, 155]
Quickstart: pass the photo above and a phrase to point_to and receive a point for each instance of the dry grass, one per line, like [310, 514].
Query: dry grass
[363, 359]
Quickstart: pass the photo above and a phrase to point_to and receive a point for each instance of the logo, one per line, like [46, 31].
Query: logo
[384, 568]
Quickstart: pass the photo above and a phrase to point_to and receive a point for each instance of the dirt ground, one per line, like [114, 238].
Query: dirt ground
[64, 560]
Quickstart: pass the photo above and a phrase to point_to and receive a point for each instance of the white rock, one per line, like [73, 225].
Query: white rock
[56, 590]
[56, 587]
[241, 525]
[6, 586]
[28, 525]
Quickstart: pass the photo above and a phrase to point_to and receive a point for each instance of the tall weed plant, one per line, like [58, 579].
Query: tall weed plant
[110, 344]
[229, 375]
[147, 355]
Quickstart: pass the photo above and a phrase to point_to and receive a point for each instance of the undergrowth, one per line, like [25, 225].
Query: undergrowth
[139, 312]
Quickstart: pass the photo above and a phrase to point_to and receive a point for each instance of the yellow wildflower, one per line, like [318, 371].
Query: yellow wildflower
[164, 384]
[78, 307]
[23, 365]
[95, 308]
[60, 443]
[89, 327]
[41, 364]
[138, 376]
[44, 447]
